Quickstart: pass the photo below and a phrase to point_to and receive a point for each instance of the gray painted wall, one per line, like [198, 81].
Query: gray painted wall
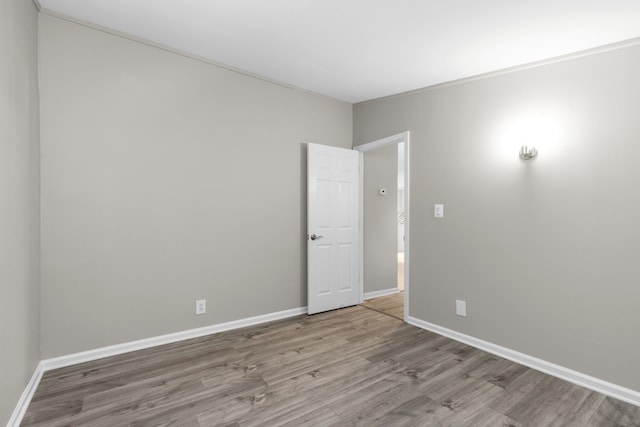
[380, 219]
[546, 253]
[166, 180]
[19, 201]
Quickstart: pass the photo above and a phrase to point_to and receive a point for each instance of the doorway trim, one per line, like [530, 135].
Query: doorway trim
[369, 146]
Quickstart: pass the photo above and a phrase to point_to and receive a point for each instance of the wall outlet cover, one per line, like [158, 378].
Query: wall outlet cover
[201, 306]
[461, 308]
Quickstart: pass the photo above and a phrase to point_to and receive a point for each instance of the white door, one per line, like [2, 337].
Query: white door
[332, 228]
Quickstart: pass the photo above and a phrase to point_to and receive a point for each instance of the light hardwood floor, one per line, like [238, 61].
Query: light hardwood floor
[393, 305]
[347, 367]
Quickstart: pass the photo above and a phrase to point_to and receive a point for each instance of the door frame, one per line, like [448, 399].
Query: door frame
[369, 146]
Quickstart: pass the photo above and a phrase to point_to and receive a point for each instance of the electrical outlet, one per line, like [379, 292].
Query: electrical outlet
[461, 308]
[201, 306]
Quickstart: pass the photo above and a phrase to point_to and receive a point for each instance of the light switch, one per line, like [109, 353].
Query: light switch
[438, 211]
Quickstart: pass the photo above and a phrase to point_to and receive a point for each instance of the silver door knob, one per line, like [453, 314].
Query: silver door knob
[315, 237]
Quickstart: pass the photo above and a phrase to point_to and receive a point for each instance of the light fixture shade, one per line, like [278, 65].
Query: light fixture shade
[528, 153]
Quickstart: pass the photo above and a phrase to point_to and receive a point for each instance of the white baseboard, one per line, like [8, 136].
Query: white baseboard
[25, 398]
[592, 383]
[113, 350]
[382, 293]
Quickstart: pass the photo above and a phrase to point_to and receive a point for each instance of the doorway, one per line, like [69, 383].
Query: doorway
[384, 235]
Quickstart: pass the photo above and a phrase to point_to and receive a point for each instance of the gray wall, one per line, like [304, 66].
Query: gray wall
[380, 219]
[165, 180]
[19, 201]
[546, 253]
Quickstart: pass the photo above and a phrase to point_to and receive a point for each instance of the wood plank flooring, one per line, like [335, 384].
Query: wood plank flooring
[349, 367]
[393, 305]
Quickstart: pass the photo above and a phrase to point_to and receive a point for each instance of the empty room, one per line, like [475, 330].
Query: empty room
[319, 213]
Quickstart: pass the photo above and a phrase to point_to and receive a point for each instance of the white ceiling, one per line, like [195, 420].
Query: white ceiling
[355, 50]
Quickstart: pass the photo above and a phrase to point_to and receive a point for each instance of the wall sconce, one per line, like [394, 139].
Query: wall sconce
[527, 153]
